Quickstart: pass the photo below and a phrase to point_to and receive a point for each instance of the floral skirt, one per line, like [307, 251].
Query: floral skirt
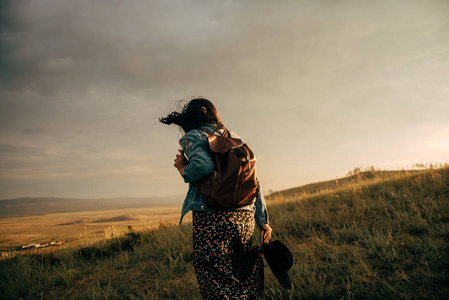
[226, 265]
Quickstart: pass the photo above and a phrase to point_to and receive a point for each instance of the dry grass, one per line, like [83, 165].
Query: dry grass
[383, 239]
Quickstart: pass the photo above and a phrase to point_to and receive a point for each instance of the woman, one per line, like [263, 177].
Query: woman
[226, 265]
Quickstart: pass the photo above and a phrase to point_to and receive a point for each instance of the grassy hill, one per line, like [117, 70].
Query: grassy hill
[370, 239]
[370, 175]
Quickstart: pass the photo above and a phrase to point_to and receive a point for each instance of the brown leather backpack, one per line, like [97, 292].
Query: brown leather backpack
[232, 183]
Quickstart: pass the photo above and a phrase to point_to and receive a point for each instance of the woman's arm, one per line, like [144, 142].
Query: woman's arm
[197, 162]
[261, 216]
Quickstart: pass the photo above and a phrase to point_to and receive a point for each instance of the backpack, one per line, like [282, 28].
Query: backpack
[232, 183]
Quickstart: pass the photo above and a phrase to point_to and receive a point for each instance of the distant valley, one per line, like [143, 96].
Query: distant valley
[48, 205]
[46, 220]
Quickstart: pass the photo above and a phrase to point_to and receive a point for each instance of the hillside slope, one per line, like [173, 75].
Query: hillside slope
[387, 239]
[353, 178]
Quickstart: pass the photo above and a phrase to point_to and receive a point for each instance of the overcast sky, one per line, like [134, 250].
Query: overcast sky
[316, 88]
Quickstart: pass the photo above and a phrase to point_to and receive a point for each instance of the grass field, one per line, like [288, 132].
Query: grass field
[386, 238]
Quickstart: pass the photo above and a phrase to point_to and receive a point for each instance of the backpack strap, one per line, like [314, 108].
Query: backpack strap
[222, 143]
[226, 133]
[206, 132]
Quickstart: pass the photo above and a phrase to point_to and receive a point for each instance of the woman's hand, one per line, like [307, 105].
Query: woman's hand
[266, 233]
[180, 161]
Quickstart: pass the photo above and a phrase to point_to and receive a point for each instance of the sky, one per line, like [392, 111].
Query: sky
[316, 88]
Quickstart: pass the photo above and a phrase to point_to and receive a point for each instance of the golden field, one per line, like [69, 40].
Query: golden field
[380, 235]
[71, 227]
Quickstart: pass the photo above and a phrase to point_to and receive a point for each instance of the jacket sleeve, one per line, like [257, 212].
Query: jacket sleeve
[261, 214]
[200, 163]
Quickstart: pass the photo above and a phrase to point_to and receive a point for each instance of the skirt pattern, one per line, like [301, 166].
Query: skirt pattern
[226, 265]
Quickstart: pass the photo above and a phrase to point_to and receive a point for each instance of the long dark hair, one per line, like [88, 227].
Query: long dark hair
[194, 114]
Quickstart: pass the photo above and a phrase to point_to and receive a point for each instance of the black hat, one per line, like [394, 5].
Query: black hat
[280, 260]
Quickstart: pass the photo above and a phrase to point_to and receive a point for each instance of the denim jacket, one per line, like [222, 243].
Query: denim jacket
[196, 148]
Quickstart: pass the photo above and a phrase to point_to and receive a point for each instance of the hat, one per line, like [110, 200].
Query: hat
[280, 260]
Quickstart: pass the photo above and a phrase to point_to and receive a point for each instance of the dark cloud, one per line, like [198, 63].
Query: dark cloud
[82, 83]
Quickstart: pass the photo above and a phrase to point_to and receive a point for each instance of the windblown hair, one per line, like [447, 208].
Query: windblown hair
[192, 115]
